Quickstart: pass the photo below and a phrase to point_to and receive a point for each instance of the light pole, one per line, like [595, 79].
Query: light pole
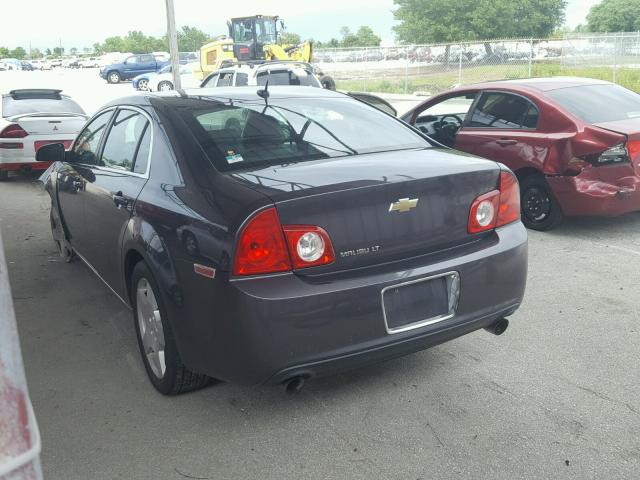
[173, 44]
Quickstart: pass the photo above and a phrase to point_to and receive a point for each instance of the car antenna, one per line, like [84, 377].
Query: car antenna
[264, 93]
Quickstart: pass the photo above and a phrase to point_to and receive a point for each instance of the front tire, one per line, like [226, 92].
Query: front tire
[113, 77]
[157, 344]
[143, 85]
[165, 86]
[540, 210]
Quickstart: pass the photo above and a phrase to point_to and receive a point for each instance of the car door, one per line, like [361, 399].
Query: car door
[503, 126]
[443, 117]
[147, 64]
[74, 175]
[119, 176]
[130, 66]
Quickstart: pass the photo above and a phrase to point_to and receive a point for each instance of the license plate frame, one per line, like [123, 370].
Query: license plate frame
[453, 294]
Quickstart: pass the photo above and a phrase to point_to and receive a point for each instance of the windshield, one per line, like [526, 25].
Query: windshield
[165, 69]
[265, 31]
[11, 107]
[246, 134]
[599, 103]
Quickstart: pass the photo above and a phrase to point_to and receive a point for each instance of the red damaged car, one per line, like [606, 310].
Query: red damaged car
[574, 143]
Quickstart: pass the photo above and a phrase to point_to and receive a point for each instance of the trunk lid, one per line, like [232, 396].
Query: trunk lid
[358, 200]
[48, 124]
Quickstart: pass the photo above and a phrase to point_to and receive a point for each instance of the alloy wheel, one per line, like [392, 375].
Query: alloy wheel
[151, 330]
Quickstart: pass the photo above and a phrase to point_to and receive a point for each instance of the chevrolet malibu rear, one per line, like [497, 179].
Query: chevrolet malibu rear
[295, 233]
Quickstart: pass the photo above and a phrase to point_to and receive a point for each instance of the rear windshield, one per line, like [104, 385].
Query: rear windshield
[287, 77]
[599, 103]
[246, 134]
[11, 107]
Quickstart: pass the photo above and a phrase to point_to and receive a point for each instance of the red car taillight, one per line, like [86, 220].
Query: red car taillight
[261, 247]
[497, 207]
[309, 246]
[13, 131]
[266, 246]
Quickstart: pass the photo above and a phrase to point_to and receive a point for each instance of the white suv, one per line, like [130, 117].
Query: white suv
[278, 73]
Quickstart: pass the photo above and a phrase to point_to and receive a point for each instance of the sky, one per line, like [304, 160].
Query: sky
[81, 23]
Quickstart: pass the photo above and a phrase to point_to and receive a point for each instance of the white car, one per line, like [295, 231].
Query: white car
[41, 64]
[278, 73]
[32, 118]
[164, 81]
[91, 62]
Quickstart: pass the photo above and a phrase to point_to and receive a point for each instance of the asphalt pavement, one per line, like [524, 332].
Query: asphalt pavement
[556, 396]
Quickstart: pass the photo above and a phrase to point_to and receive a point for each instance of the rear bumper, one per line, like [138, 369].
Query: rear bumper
[24, 165]
[266, 330]
[591, 193]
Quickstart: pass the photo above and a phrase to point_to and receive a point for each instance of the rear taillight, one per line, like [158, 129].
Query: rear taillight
[309, 246]
[266, 246]
[617, 154]
[633, 147]
[261, 247]
[509, 209]
[13, 131]
[497, 207]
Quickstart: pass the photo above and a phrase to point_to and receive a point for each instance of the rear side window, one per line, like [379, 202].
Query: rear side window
[122, 143]
[599, 103]
[287, 77]
[503, 110]
[242, 79]
[11, 107]
[147, 59]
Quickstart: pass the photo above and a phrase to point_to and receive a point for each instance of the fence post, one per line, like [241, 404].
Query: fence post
[460, 65]
[615, 58]
[531, 58]
[406, 72]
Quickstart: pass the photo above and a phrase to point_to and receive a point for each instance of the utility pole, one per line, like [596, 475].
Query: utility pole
[173, 44]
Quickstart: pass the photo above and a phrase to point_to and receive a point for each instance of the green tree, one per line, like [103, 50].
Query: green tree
[289, 38]
[190, 39]
[36, 53]
[364, 37]
[4, 52]
[614, 16]
[18, 53]
[73, 51]
[427, 21]
[48, 52]
[58, 51]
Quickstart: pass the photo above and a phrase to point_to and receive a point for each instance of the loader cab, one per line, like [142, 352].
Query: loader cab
[251, 34]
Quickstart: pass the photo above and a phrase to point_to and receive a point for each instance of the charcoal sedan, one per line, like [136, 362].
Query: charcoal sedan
[276, 235]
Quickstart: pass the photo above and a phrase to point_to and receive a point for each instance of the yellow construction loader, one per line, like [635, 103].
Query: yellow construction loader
[255, 39]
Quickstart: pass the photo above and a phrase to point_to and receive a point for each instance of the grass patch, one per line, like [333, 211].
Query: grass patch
[427, 79]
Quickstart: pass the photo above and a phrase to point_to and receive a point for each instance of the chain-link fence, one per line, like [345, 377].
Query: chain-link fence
[431, 69]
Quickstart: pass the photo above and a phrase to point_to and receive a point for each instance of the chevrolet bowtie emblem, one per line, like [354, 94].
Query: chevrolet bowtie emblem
[403, 205]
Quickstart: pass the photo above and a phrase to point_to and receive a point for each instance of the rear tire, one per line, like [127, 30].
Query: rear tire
[157, 344]
[328, 82]
[165, 86]
[540, 210]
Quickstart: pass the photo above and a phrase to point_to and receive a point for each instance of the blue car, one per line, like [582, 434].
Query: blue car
[141, 82]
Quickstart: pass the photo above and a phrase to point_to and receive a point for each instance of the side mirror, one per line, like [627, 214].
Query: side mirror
[54, 152]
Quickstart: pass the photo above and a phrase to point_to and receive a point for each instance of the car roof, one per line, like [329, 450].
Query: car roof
[544, 84]
[261, 66]
[235, 93]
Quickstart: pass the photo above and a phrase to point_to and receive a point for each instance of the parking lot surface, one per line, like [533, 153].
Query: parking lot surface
[555, 397]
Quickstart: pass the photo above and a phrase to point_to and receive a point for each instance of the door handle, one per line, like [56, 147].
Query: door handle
[505, 142]
[120, 200]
